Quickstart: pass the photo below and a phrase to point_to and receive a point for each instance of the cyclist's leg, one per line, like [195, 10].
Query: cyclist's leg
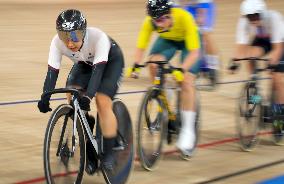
[206, 17]
[187, 137]
[78, 78]
[278, 83]
[259, 47]
[107, 90]
[162, 50]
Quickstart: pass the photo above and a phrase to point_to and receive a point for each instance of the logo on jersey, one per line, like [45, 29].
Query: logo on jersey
[68, 25]
[153, 2]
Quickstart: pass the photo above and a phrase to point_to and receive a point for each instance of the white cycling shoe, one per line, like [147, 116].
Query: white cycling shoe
[186, 143]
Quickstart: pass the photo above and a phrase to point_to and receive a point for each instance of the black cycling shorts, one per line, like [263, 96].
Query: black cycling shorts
[81, 72]
[263, 43]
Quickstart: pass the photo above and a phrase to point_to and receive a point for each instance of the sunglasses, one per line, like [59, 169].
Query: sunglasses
[253, 17]
[74, 36]
[161, 19]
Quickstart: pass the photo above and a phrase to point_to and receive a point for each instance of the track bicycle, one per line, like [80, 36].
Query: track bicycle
[255, 112]
[159, 119]
[65, 142]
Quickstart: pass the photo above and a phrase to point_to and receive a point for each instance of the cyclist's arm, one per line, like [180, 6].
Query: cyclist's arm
[276, 38]
[139, 55]
[190, 59]
[241, 51]
[242, 39]
[143, 39]
[276, 53]
[54, 61]
[50, 80]
[95, 80]
[102, 49]
[192, 41]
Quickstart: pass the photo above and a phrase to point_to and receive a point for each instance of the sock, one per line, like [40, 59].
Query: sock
[108, 145]
[212, 61]
[187, 135]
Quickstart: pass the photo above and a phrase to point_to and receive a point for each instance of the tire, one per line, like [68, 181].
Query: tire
[151, 129]
[197, 121]
[124, 152]
[278, 134]
[277, 127]
[63, 168]
[248, 120]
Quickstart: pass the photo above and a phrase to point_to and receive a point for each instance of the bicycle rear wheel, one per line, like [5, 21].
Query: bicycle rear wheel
[124, 150]
[151, 128]
[61, 165]
[248, 117]
[277, 126]
[278, 133]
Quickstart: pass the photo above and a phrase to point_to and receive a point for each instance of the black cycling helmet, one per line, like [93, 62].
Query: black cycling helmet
[157, 8]
[71, 25]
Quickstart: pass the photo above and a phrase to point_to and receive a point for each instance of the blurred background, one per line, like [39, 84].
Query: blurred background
[26, 30]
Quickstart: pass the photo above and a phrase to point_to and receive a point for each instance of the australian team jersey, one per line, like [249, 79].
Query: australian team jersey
[272, 28]
[183, 29]
[95, 49]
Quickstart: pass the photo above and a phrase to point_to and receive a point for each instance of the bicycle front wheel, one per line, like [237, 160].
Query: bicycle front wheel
[248, 117]
[151, 128]
[61, 163]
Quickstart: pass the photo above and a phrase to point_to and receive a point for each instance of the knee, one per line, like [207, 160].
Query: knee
[157, 57]
[278, 80]
[188, 83]
[103, 102]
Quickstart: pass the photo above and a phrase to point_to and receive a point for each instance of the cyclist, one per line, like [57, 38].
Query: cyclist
[98, 66]
[265, 27]
[177, 31]
[204, 14]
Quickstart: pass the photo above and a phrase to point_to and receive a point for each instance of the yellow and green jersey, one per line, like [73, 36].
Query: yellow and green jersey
[184, 29]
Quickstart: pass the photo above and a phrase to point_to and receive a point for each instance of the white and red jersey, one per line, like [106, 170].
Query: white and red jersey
[272, 27]
[95, 49]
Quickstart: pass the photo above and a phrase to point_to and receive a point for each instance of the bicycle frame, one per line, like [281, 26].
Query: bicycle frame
[159, 82]
[78, 112]
[83, 120]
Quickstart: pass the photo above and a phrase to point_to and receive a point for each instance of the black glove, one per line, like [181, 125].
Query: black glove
[135, 71]
[84, 103]
[43, 105]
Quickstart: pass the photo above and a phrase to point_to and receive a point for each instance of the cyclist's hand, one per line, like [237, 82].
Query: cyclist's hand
[84, 103]
[233, 66]
[133, 72]
[179, 77]
[43, 105]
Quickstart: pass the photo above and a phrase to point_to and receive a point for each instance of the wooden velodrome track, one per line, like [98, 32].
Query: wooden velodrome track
[26, 29]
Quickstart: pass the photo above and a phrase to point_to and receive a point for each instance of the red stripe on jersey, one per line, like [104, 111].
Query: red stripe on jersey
[102, 62]
[52, 68]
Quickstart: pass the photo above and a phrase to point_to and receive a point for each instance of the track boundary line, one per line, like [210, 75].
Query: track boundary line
[120, 93]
